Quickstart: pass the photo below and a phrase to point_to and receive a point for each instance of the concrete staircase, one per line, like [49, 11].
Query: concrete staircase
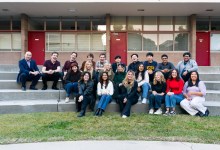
[13, 100]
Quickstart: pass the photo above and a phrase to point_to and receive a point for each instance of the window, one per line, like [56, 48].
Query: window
[10, 41]
[181, 42]
[68, 24]
[118, 24]
[16, 24]
[98, 42]
[215, 44]
[83, 42]
[53, 24]
[53, 42]
[134, 42]
[165, 42]
[150, 23]
[134, 24]
[166, 24]
[215, 24]
[36, 24]
[98, 24]
[181, 24]
[68, 42]
[83, 24]
[202, 24]
[149, 42]
[5, 24]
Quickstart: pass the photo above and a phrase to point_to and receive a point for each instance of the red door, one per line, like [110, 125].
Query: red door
[36, 45]
[203, 48]
[118, 46]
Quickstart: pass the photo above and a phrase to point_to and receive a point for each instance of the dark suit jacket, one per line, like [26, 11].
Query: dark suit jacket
[24, 68]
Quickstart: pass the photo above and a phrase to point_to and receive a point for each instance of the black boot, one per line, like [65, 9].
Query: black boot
[97, 112]
[81, 114]
[100, 112]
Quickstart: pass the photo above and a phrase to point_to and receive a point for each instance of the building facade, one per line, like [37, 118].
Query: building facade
[114, 28]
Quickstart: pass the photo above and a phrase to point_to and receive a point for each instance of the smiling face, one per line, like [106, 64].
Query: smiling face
[141, 67]
[194, 76]
[73, 56]
[120, 68]
[104, 76]
[174, 74]
[130, 76]
[134, 58]
[186, 58]
[102, 58]
[158, 76]
[54, 57]
[74, 68]
[86, 77]
[27, 56]
[164, 59]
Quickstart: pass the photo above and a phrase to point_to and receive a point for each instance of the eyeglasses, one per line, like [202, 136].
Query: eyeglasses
[164, 58]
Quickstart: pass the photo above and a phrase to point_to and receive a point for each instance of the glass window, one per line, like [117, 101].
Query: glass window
[134, 42]
[16, 24]
[5, 41]
[68, 24]
[118, 24]
[16, 41]
[150, 23]
[83, 24]
[202, 24]
[5, 24]
[166, 42]
[68, 42]
[149, 42]
[98, 42]
[181, 24]
[166, 24]
[98, 24]
[83, 42]
[134, 24]
[53, 42]
[36, 24]
[53, 24]
[215, 24]
[181, 42]
[215, 44]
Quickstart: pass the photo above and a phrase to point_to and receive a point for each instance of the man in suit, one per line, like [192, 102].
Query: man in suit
[28, 72]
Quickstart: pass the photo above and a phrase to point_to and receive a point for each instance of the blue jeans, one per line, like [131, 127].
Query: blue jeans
[145, 88]
[104, 101]
[71, 87]
[155, 101]
[172, 100]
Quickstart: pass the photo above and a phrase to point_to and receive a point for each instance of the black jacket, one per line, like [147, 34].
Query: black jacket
[86, 89]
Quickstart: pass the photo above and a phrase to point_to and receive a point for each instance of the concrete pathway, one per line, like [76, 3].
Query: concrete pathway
[110, 145]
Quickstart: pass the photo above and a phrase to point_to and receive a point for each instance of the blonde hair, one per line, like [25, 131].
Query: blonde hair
[162, 79]
[128, 83]
[85, 69]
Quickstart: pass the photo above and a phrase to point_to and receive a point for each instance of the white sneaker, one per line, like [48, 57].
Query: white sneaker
[158, 112]
[67, 100]
[124, 116]
[144, 101]
[151, 111]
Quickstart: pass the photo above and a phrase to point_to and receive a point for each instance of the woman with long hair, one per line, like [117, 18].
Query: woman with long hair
[127, 94]
[194, 92]
[174, 92]
[105, 91]
[85, 93]
[158, 93]
[71, 81]
[142, 79]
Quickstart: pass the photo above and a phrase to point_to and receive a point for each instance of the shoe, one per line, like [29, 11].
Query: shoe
[206, 113]
[81, 115]
[124, 116]
[33, 88]
[200, 114]
[158, 112]
[144, 101]
[151, 111]
[55, 88]
[23, 88]
[97, 112]
[100, 112]
[167, 113]
[44, 88]
[172, 113]
[67, 100]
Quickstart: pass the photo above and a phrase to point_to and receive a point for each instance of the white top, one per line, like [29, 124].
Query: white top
[108, 90]
[142, 81]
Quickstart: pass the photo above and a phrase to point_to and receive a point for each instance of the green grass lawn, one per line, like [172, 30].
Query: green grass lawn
[38, 127]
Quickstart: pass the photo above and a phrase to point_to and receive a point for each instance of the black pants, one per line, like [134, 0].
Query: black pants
[51, 77]
[86, 101]
[29, 77]
[186, 77]
[125, 108]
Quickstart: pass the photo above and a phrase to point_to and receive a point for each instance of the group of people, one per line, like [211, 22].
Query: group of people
[157, 82]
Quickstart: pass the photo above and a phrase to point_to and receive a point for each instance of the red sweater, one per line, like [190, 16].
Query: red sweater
[175, 86]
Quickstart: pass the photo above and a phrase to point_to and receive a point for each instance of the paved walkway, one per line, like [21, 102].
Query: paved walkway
[110, 145]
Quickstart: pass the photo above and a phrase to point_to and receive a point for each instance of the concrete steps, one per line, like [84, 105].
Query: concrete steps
[13, 100]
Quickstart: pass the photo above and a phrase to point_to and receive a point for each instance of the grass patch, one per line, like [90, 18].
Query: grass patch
[41, 127]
